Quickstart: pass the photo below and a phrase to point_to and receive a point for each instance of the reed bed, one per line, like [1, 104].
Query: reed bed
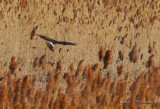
[86, 88]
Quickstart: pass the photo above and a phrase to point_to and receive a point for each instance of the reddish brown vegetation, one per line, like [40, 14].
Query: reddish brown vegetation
[59, 65]
[42, 60]
[96, 67]
[79, 68]
[107, 58]
[93, 89]
[71, 67]
[150, 49]
[120, 69]
[36, 62]
[33, 32]
[151, 62]
[133, 54]
[101, 54]
[13, 65]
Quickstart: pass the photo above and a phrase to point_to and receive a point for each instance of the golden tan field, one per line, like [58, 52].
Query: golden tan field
[106, 54]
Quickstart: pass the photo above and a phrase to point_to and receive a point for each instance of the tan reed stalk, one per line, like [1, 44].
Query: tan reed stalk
[107, 85]
[134, 55]
[11, 88]
[26, 85]
[13, 65]
[142, 93]
[120, 69]
[45, 100]
[64, 102]
[151, 81]
[57, 77]
[3, 96]
[57, 103]
[101, 54]
[17, 97]
[51, 103]
[99, 80]
[150, 49]
[90, 76]
[71, 68]
[36, 100]
[59, 65]
[85, 73]
[30, 97]
[148, 95]
[96, 67]
[151, 62]
[42, 60]
[79, 68]
[94, 85]
[107, 58]
[36, 62]
[156, 78]
[51, 83]
[69, 79]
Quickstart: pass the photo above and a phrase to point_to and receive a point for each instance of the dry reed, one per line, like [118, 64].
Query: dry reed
[107, 58]
[45, 100]
[42, 60]
[89, 90]
[120, 69]
[149, 49]
[36, 100]
[79, 68]
[90, 76]
[101, 54]
[69, 79]
[121, 55]
[99, 80]
[148, 95]
[96, 67]
[59, 65]
[151, 62]
[13, 65]
[36, 62]
[57, 76]
[33, 32]
[85, 73]
[57, 103]
[133, 54]
[64, 102]
[71, 67]
[3, 96]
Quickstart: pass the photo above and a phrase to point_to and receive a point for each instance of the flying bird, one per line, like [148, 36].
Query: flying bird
[53, 42]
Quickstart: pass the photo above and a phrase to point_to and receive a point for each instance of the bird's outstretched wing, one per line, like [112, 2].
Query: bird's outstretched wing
[46, 38]
[54, 41]
[65, 43]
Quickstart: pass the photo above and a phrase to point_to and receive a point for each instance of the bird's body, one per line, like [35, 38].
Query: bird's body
[51, 43]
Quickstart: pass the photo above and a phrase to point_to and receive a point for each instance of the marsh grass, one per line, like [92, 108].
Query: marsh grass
[86, 90]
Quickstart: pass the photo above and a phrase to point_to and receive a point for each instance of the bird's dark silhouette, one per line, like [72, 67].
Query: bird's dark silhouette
[54, 41]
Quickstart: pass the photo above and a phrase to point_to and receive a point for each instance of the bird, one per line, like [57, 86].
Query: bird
[53, 42]
[50, 46]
